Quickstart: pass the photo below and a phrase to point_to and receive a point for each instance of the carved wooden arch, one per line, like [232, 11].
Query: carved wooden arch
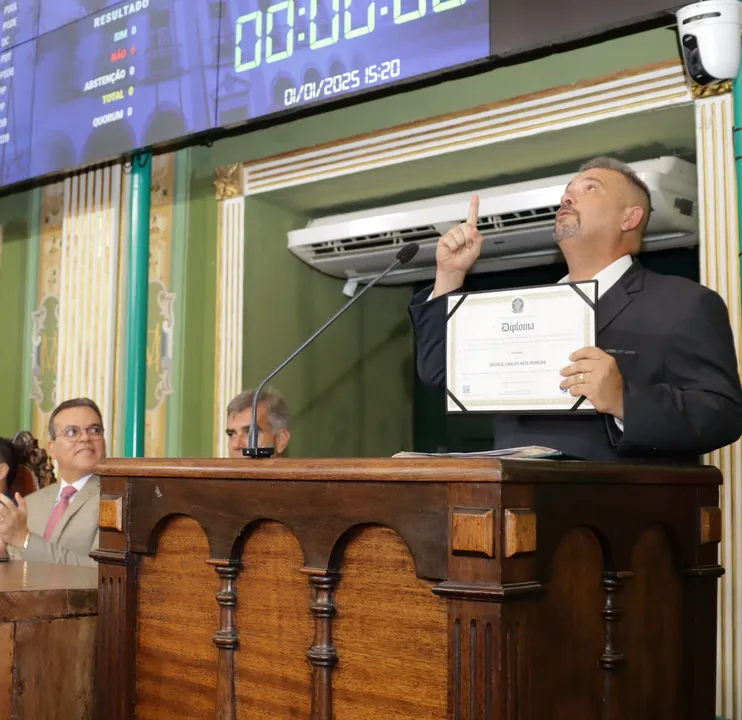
[419, 518]
[161, 523]
[617, 557]
[35, 470]
[415, 546]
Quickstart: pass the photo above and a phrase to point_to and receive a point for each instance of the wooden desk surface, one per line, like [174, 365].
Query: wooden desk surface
[45, 591]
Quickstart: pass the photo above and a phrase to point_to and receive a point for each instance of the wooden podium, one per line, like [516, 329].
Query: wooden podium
[394, 589]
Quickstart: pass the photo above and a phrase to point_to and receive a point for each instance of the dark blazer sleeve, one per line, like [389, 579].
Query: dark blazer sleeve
[429, 325]
[698, 407]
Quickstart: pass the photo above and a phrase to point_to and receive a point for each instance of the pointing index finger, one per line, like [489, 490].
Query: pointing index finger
[473, 211]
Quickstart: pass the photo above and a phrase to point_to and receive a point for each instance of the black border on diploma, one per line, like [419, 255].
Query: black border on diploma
[577, 287]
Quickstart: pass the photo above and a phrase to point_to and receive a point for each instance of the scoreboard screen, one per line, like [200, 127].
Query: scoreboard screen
[85, 81]
[132, 75]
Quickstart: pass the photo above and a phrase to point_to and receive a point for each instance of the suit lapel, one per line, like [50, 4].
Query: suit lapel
[620, 296]
[89, 491]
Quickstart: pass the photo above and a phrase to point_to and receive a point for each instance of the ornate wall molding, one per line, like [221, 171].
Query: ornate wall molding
[719, 263]
[228, 182]
[163, 306]
[704, 91]
[659, 86]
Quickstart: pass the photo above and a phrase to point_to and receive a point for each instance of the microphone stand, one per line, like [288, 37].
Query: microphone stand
[252, 450]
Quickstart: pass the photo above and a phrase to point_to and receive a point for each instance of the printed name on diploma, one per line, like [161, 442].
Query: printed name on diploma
[120, 13]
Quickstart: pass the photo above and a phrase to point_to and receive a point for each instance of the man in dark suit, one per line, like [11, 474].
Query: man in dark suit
[664, 377]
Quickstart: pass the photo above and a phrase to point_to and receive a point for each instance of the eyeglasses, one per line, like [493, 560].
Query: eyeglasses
[72, 433]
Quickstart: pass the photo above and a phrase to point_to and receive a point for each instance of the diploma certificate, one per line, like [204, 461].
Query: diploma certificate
[505, 348]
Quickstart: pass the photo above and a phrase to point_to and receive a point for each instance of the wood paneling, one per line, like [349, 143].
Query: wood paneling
[710, 525]
[177, 619]
[390, 634]
[412, 470]
[45, 590]
[473, 531]
[6, 668]
[274, 626]
[570, 636]
[520, 531]
[47, 641]
[354, 605]
[54, 663]
[652, 619]
[111, 513]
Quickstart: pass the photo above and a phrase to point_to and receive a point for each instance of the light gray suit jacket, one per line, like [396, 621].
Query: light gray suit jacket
[74, 537]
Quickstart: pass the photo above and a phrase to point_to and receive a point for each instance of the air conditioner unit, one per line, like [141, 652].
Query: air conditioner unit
[515, 220]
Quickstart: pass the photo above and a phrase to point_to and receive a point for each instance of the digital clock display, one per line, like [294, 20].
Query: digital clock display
[290, 53]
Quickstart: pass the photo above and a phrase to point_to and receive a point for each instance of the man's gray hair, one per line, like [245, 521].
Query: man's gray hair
[609, 163]
[279, 415]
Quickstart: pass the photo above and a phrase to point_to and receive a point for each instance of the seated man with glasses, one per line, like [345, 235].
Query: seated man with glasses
[59, 524]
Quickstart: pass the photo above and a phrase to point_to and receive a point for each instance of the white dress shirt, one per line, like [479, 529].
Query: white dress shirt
[79, 485]
[610, 275]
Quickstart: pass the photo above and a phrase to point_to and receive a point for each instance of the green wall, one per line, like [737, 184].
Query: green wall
[348, 392]
[14, 219]
[198, 312]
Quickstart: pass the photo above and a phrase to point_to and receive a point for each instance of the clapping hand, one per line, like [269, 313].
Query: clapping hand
[13, 521]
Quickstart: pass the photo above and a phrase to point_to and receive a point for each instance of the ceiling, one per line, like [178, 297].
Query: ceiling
[632, 137]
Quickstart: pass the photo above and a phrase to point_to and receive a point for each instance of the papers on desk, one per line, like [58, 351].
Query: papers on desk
[505, 348]
[530, 451]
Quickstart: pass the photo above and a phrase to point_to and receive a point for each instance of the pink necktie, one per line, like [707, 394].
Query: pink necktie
[59, 509]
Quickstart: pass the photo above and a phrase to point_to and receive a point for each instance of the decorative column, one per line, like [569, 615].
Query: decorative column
[78, 291]
[612, 657]
[226, 640]
[230, 282]
[323, 655]
[136, 356]
[719, 265]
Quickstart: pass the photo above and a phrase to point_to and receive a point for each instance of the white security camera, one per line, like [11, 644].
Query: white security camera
[709, 34]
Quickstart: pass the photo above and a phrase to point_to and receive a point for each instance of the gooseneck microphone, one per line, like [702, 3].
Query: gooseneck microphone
[252, 450]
